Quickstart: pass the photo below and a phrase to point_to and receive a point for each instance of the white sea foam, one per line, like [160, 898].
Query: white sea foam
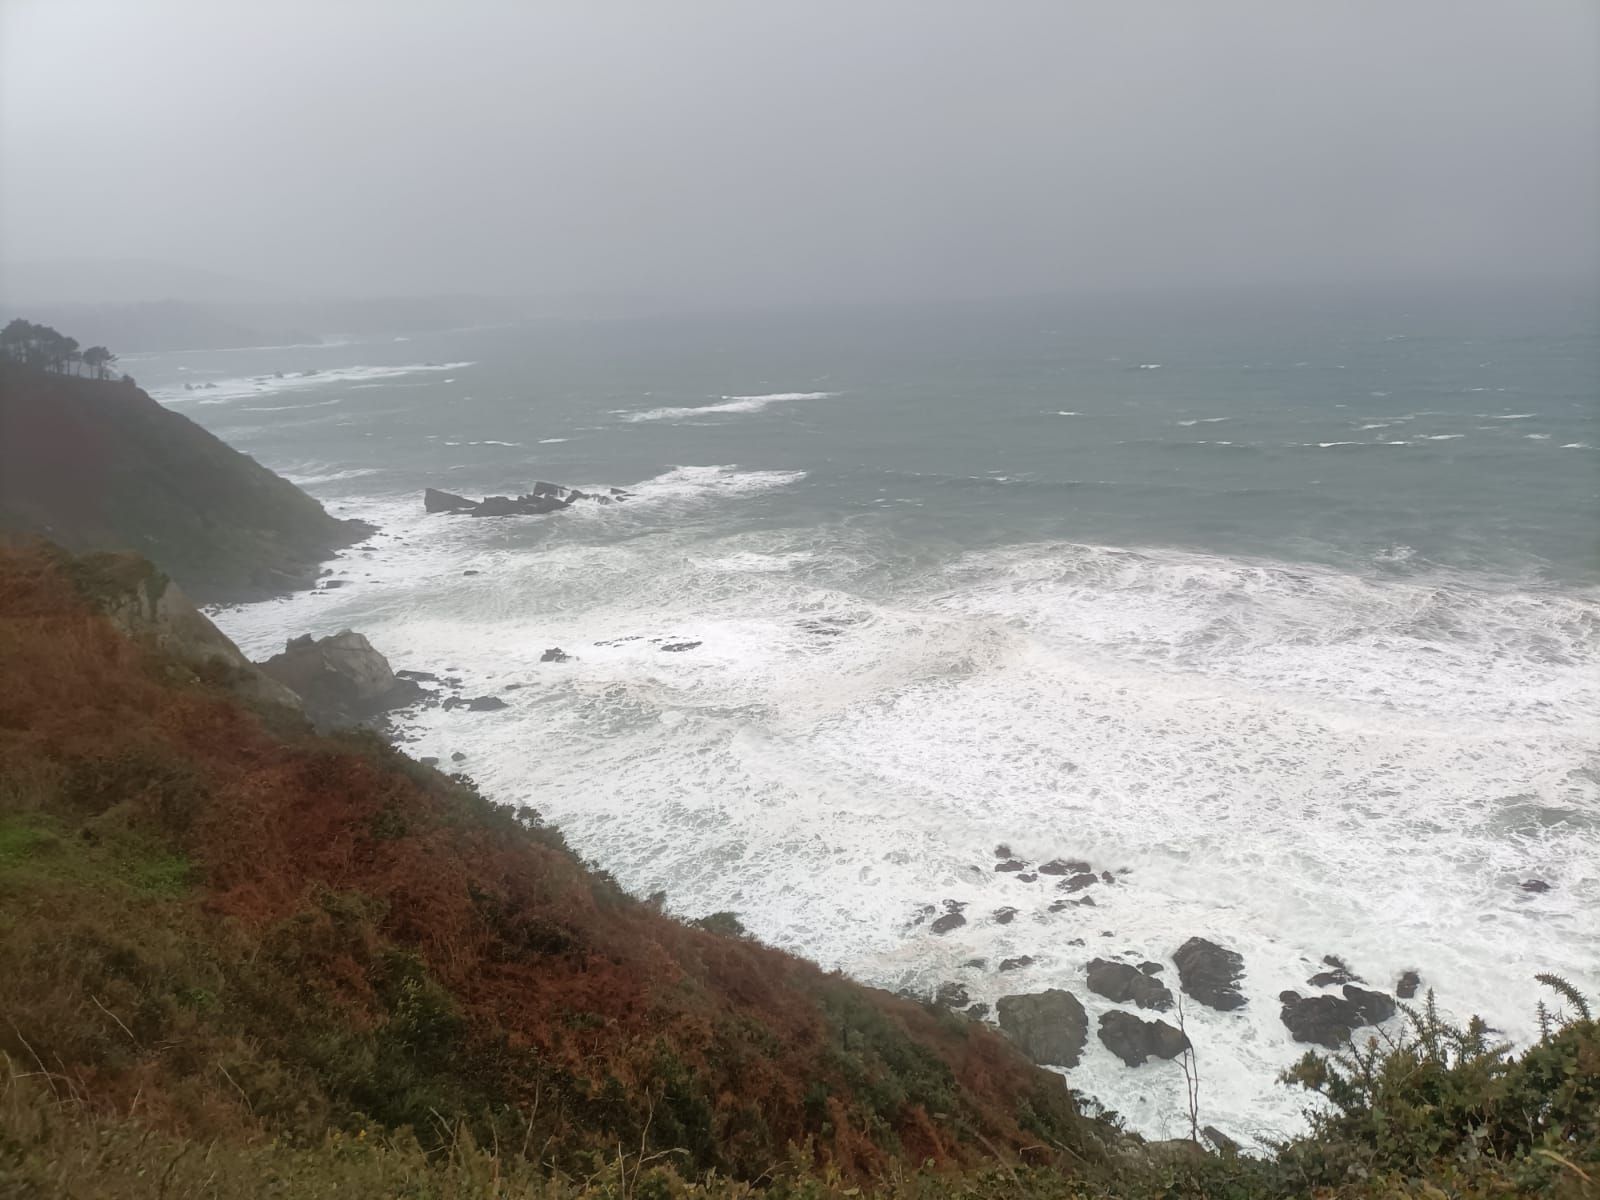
[1509, 416]
[551, 441]
[1439, 437]
[1537, 437]
[1292, 761]
[226, 391]
[1204, 420]
[730, 404]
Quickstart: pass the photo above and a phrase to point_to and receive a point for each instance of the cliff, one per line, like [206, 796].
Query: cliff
[99, 465]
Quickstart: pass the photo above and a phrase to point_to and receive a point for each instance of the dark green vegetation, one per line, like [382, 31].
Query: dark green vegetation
[50, 350]
[95, 464]
[239, 960]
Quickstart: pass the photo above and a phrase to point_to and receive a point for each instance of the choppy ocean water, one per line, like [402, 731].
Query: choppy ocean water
[1290, 609]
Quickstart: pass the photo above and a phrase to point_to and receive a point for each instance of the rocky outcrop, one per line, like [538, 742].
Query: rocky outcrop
[1134, 1040]
[1121, 983]
[1051, 1027]
[148, 607]
[545, 498]
[340, 679]
[1408, 984]
[1210, 973]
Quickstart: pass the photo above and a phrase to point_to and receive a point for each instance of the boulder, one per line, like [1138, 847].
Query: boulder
[1064, 866]
[950, 920]
[1320, 1020]
[1134, 1040]
[1210, 973]
[1016, 964]
[1408, 984]
[1337, 974]
[1121, 983]
[485, 704]
[951, 995]
[1375, 1007]
[1078, 882]
[1010, 864]
[555, 654]
[1003, 916]
[341, 679]
[1050, 1026]
[1152, 968]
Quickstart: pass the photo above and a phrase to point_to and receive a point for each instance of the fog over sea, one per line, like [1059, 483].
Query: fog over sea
[1286, 607]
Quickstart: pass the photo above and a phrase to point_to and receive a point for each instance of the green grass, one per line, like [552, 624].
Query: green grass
[39, 851]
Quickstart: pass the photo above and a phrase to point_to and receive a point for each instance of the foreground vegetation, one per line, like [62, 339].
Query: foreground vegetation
[239, 959]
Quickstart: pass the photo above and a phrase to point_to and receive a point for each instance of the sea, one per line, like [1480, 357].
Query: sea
[1282, 609]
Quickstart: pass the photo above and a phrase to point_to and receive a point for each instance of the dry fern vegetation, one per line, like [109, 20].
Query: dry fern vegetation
[240, 959]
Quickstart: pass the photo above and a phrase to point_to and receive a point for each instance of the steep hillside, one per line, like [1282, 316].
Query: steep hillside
[98, 465]
[238, 959]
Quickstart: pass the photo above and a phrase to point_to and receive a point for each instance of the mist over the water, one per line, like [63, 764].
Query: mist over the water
[717, 153]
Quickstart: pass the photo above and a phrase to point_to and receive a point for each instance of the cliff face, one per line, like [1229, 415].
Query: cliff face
[99, 465]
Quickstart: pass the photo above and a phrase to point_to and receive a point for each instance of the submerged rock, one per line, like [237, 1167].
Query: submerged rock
[1210, 973]
[1134, 1040]
[1121, 983]
[1051, 1027]
[1535, 885]
[1016, 964]
[1003, 916]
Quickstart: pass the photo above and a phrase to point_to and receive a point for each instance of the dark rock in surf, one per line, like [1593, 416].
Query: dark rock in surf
[1408, 984]
[1152, 968]
[555, 654]
[458, 756]
[1320, 1020]
[1003, 916]
[1028, 877]
[1051, 1027]
[1375, 1007]
[951, 995]
[1210, 973]
[1121, 983]
[978, 1011]
[1011, 864]
[1016, 964]
[1338, 974]
[1535, 885]
[433, 500]
[1064, 866]
[950, 920]
[1078, 882]
[678, 647]
[1135, 1040]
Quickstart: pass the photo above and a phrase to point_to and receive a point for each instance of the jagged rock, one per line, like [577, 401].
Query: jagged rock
[1535, 885]
[1134, 1040]
[485, 704]
[1225, 1145]
[679, 647]
[1010, 864]
[555, 654]
[1078, 882]
[1016, 964]
[1407, 987]
[1320, 1020]
[1374, 1007]
[1339, 973]
[1003, 916]
[1121, 983]
[341, 679]
[951, 995]
[434, 500]
[950, 920]
[1051, 1027]
[978, 1011]
[1210, 973]
[1064, 866]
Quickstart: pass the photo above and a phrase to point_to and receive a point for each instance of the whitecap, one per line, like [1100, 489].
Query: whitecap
[730, 404]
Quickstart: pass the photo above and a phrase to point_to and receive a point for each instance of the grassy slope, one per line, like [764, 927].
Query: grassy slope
[237, 959]
[101, 466]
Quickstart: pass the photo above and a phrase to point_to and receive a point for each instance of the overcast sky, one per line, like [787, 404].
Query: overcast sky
[762, 150]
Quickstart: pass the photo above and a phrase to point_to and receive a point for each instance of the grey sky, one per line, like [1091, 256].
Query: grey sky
[764, 151]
